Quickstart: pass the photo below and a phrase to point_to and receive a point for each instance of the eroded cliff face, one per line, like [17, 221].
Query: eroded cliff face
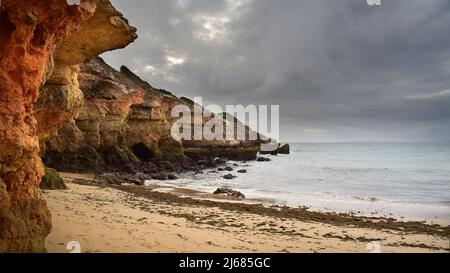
[96, 138]
[31, 31]
[61, 99]
[124, 119]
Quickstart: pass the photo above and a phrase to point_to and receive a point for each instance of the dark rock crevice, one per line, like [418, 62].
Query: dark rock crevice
[143, 152]
[6, 30]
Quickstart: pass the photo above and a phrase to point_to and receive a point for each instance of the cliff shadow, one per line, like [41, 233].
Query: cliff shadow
[142, 152]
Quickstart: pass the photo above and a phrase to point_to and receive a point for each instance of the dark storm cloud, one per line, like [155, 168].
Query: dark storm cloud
[340, 70]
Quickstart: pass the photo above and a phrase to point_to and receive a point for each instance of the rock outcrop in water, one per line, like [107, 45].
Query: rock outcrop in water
[284, 149]
[42, 41]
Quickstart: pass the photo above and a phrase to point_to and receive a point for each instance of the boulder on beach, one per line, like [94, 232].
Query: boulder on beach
[230, 192]
[263, 159]
[118, 179]
[207, 163]
[172, 177]
[221, 161]
[229, 176]
[107, 179]
[275, 152]
[129, 168]
[160, 176]
[52, 180]
[284, 149]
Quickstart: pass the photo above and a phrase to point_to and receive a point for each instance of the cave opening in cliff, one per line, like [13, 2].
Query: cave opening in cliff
[142, 152]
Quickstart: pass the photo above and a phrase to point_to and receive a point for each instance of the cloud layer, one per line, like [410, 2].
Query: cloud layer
[340, 70]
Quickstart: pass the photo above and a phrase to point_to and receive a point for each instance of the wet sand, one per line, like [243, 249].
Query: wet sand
[137, 219]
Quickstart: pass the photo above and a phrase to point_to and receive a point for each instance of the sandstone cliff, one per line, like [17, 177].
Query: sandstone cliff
[124, 119]
[42, 41]
[60, 99]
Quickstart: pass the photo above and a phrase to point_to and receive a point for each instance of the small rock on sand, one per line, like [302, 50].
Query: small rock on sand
[230, 192]
[172, 177]
[160, 176]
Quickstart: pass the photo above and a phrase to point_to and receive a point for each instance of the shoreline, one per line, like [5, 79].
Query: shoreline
[268, 201]
[105, 219]
[188, 196]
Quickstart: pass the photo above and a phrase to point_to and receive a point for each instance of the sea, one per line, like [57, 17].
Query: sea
[408, 181]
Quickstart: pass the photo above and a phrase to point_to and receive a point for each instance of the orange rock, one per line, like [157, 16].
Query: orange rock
[29, 32]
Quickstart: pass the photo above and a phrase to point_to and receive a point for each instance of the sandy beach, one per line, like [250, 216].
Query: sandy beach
[135, 219]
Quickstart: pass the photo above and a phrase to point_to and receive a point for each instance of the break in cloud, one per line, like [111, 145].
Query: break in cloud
[340, 70]
[424, 96]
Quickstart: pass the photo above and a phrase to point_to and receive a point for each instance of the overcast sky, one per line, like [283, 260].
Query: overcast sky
[340, 70]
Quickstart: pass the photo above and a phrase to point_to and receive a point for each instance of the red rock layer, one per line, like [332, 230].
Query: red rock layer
[29, 32]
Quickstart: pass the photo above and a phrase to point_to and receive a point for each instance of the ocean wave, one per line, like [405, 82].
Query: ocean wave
[275, 191]
[365, 198]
